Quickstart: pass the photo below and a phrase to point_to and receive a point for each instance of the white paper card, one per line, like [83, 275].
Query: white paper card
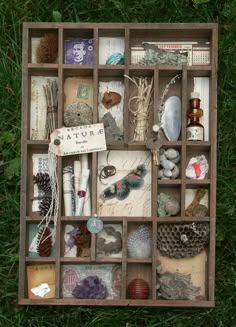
[80, 139]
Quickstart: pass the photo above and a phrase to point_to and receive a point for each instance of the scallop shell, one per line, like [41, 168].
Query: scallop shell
[171, 118]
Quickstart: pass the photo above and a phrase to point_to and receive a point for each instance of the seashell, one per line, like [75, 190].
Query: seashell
[78, 114]
[175, 172]
[110, 99]
[200, 211]
[171, 154]
[171, 118]
[139, 242]
[172, 207]
[138, 288]
[197, 167]
[167, 173]
[167, 164]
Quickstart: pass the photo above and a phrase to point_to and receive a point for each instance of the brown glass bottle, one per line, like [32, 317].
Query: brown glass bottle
[195, 130]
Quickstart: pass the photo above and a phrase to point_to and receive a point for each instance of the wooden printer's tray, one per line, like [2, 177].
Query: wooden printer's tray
[130, 267]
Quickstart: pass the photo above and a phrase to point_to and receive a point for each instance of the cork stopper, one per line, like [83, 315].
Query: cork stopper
[194, 95]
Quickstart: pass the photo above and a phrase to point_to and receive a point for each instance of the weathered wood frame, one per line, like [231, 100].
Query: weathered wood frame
[163, 31]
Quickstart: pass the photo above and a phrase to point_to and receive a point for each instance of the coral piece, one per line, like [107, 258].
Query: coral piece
[121, 188]
[78, 114]
[82, 239]
[182, 240]
[47, 49]
[44, 242]
[139, 242]
[138, 288]
[197, 167]
[176, 286]
[162, 199]
[111, 247]
[112, 131]
[110, 99]
[199, 195]
[90, 287]
[200, 211]
[43, 182]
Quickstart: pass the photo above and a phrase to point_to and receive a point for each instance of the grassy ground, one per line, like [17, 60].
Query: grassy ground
[12, 14]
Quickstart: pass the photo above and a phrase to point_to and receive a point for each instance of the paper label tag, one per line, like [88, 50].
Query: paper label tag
[80, 139]
[195, 133]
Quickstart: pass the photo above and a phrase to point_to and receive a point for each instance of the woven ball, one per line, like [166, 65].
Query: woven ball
[138, 289]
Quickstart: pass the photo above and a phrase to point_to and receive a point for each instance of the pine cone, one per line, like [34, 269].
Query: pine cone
[47, 49]
[45, 242]
[43, 182]
[44, 206]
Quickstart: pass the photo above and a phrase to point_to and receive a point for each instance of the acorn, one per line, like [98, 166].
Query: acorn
[138, 289]
[47, 49]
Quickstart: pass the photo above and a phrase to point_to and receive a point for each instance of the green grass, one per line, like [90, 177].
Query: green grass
[12, 14]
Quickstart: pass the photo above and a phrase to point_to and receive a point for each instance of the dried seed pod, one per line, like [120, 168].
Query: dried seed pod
[44, 206]
[44, 246]
[110, 99]
[43, 182]
[47, 49]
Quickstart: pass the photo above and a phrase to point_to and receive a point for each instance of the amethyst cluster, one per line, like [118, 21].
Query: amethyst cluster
[90, 287]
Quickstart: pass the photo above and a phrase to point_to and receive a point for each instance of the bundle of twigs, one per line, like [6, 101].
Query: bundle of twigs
[50, 91]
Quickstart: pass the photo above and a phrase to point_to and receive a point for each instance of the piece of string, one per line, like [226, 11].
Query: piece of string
[54, 206]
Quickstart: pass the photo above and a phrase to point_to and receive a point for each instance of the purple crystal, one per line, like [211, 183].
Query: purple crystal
[90, 287]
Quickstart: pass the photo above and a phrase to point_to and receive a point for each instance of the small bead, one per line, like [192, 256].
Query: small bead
[155, 128]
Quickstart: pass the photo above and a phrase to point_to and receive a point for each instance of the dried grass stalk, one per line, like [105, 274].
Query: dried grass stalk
[139, 105]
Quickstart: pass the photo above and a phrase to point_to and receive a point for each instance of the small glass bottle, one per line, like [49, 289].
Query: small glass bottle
[195, 130]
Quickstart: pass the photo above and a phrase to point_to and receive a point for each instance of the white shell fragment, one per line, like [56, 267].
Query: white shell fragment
[171, 118]
[41, 290]
[197, 167]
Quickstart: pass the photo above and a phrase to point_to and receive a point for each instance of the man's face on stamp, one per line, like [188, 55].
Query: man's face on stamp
[78, 52]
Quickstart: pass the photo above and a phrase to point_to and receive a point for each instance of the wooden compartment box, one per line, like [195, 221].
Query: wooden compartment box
[142, 208]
